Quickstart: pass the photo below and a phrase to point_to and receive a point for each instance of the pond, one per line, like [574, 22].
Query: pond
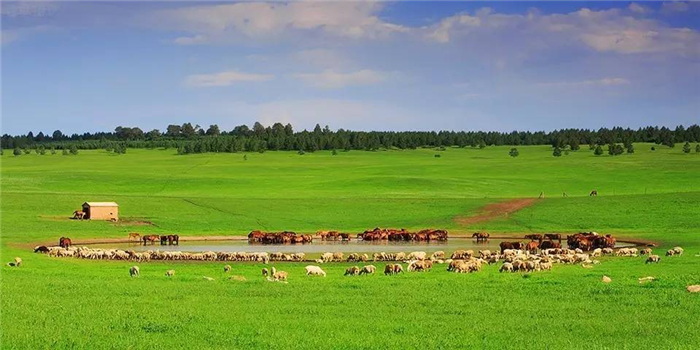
[318, 246]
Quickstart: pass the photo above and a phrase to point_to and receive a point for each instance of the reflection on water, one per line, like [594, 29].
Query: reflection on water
[318, 246]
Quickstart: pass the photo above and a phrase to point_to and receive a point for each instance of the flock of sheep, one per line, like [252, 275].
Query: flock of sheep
[460, 261]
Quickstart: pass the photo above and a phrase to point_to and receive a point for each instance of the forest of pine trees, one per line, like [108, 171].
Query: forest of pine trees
[188, 138]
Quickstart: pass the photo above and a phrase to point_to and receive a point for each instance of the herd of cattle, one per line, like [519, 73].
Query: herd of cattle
[376, 234]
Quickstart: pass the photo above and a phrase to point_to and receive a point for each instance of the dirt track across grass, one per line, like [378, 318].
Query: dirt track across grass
[496, 210]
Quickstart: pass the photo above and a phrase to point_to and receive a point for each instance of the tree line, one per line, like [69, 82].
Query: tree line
[189, 138]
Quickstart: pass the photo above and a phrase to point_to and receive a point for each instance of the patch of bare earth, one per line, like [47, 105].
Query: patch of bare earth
[496, 210]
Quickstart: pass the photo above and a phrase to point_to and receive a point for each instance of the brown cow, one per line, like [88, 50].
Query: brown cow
[150, 238]
[173, 240]
[79, 214]
[553, 236]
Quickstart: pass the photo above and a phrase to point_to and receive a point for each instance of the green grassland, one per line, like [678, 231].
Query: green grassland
[69, 303]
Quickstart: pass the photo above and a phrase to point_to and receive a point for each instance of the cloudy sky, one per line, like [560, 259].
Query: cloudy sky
[80, 66]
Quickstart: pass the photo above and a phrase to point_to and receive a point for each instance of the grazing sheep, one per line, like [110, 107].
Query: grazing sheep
[352, 271]
[653, 259]
[170, 273]
[134, 271]
[337, 256]
[484, 254]
[416, 256]
[368, 270]
[315, 270]
[280, 276]
[439, 255]
[393, 269]
[506, 267]
[227, 268]
[608, 251]
[606, 279]
[678, 250]
[16, 263]
[645, 251]
[319, 261]
[670, 252]
[327, 257]
[265, 272]
[597, 252]
[546, 265]
[646, 279]
[694, 288]
[207, 278]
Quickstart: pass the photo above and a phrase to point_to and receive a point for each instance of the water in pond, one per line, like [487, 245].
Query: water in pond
[319, 246]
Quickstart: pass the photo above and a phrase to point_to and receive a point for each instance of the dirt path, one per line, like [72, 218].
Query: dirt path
[496, 210]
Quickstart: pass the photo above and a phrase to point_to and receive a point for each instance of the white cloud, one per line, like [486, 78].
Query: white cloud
[587, 83]
[225, 78]
[614, 30]
[330, 79]
[637, 8]
[220, 23]
[190, 40]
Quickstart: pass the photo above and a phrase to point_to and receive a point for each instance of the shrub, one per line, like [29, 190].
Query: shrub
[301, 153]
[437, 156]
[697, 148]
[686, 147]
[514, 152]
[245, 157]
[630, 148]
[653, 148]
[73, 149]
[556, 152]
[598, 150]
[17, 151]
[334, 153]
[64, 151]
[27, 151]
[615, 149]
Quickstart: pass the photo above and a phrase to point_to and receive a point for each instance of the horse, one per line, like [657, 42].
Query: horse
[163, 240]
[534, 237]
[553, 236]
[64, 242]
[78, 214]
[532, 247]
[173, 240]
[150, 238]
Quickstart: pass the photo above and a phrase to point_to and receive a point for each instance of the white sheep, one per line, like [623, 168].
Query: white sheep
[315, 270]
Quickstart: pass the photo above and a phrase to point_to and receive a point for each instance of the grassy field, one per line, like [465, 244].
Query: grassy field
[59, 303]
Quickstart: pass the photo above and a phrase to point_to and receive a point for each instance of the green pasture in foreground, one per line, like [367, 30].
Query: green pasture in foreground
[68, 303]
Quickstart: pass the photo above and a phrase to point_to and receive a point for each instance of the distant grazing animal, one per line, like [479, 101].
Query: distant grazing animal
[532, 247]
[315, 270]
[534, 237]
[553, 236]
[368, 270]
[16, 263]
[79, 214]
[392, 269]
[134, 271]
[481, 236]
[227, 268]
[594, 193]
[265, 272]
[150, 238]
[170, 273]
[41, 249]
[173, 240]
[645, 251]
[163, 240]
[670, 252]
[134, 235]
[506, 267]
[678, 250]
[653, 259]
[352, 271]
[280, 276]
[64, 242]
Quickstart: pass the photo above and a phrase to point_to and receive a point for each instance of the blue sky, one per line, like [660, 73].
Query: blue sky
[91, 66]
